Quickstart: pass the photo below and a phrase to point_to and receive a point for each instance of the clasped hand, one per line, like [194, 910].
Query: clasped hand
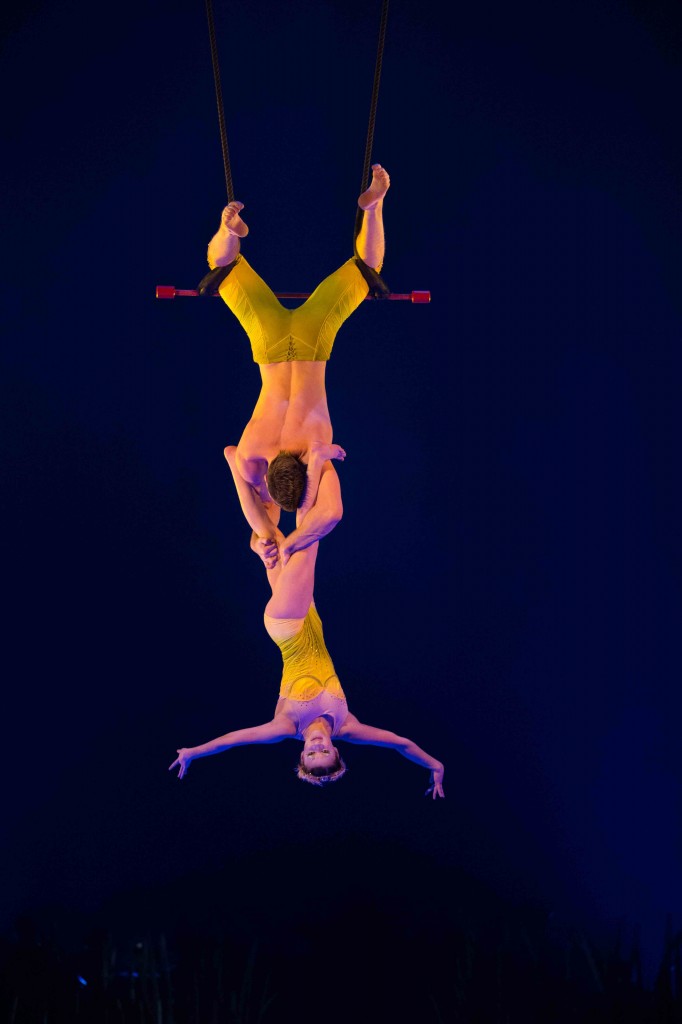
[267, 548]
[271, 550]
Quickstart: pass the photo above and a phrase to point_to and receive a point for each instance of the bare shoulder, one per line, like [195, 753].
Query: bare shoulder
[349, 726]
[358, 732]
[282, 721]
[251, 467]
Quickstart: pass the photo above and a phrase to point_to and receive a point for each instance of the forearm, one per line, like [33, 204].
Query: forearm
[322, 508]
[216, 746]
[239, 738]
[414, 753]
[262, 521]
[272, 511]
[313, 474]
[257, 518]
[317, 524]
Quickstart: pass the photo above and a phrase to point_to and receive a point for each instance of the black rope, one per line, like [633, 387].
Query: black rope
[378, 288]
[219, 99]
[375, 96]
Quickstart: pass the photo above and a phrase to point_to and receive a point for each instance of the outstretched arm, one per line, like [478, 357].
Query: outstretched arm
[357, 732]
[321, 509]
[280, 728]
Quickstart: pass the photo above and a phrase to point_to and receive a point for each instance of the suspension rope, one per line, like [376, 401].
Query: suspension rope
[375, 97]
[377, 286]
[219, 99]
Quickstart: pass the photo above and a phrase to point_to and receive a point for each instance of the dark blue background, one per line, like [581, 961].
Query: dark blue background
[504, 587]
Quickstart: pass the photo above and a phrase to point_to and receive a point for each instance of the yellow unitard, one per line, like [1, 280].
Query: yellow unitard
[306, 663]
[307, 333]
[309, 681]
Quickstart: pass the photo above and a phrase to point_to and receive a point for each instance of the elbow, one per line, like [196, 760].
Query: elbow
[336, 514]
[333, 521]
[327, 516]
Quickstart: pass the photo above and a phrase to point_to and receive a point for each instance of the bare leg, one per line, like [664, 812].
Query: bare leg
[224, 246]
[370, 240]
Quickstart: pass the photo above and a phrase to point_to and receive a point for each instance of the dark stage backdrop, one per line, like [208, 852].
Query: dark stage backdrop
[504, 587]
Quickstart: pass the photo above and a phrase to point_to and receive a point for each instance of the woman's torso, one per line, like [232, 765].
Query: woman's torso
[310, 687]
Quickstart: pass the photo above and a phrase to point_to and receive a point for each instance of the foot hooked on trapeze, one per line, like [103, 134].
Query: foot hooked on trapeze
[232, 222]
[377, 189]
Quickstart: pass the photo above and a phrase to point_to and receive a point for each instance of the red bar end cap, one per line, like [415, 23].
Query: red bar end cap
[421, 296]
[165, 291]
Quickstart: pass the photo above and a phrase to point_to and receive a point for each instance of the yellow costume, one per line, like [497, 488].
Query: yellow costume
[307, 333]
[308, 677]
[307, 666]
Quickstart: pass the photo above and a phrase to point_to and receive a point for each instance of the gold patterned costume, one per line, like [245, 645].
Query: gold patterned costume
[307, 333]
[309, 680]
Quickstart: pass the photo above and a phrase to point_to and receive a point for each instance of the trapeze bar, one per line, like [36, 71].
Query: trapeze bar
[167, 291]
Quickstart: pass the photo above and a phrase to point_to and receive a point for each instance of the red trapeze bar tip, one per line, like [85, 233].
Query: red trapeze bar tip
[165, 291]
[421, 296]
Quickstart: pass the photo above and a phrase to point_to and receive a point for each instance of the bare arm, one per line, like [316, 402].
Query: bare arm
[262, 519]
[322, 508]
[293, 585]
[357, 732]
[319, 456]
[280, 728]
[253, 470]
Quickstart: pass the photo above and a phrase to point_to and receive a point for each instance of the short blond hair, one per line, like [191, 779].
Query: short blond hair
[319, 776]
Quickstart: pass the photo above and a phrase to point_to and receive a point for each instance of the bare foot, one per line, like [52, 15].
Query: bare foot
[377, 190]
[327, 451]
[232, 222]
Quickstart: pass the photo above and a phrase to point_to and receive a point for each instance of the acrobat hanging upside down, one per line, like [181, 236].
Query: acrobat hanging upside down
[311, 705]
[275, 455]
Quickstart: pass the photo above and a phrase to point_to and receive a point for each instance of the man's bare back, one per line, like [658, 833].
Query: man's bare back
[291, 413]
